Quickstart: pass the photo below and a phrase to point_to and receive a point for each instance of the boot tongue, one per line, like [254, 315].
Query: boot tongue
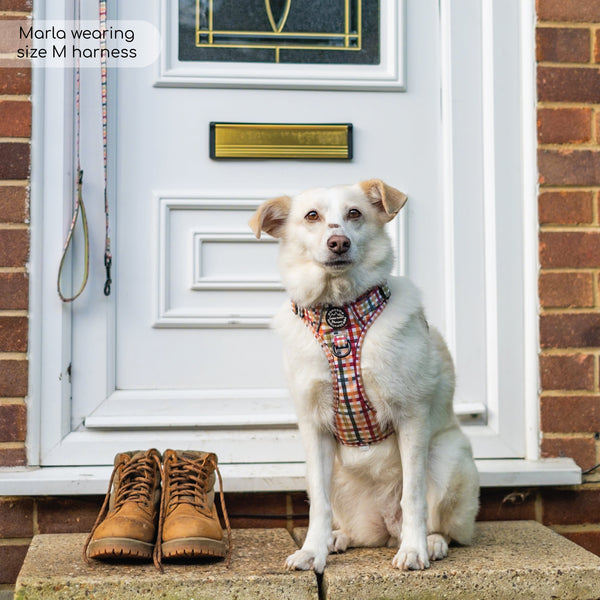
[133, 481]
[199, 477]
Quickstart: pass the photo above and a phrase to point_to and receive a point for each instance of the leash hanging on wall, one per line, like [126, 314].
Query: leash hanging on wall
[79, 208]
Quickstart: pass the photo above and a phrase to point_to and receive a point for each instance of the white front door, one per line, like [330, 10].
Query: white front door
[181, 354]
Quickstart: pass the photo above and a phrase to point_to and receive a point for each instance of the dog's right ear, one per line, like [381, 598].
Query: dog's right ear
[271, 216]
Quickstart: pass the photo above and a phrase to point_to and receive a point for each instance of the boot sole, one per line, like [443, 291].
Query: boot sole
[120, 548]
[193, 548]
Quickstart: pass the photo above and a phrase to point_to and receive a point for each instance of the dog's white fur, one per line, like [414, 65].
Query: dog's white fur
[418, 488]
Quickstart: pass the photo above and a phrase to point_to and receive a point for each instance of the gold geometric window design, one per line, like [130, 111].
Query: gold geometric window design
[280, 31]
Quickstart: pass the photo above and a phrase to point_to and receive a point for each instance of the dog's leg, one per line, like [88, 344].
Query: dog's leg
[320, 450]
[453, 488]
[413, 440]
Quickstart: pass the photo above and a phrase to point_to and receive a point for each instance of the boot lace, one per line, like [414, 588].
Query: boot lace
[136, 485]
[188, 483]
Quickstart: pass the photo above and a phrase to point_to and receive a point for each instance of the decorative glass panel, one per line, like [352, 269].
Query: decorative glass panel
[280, 31]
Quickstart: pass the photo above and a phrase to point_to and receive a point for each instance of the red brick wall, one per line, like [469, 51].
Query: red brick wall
[568, 51]
[568, 80]
[15, 132]
[16, 515]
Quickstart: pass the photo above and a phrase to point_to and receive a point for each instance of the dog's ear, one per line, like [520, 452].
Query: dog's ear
[270, 216]
[387, 199]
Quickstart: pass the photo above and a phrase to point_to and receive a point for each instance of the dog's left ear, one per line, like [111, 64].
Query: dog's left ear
[387, 199]
[271, 216]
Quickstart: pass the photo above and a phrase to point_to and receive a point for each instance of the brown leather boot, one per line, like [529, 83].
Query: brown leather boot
[190, 525]
[127, 524]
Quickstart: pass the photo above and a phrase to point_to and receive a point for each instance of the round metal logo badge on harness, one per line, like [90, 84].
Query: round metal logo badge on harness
[336, 317]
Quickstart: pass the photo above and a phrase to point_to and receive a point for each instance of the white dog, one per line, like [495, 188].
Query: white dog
[387, 463]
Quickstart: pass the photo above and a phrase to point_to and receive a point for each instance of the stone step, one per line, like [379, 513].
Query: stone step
[508, 559]
[514, 559]
[55, 570]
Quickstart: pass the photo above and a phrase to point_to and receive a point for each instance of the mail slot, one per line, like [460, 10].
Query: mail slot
[283, 141]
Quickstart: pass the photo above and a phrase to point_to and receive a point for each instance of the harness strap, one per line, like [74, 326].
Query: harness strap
[341, 332]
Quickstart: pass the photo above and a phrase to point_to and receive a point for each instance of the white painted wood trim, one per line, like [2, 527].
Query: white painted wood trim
[507, 154]
[50, 209]
[167, 317]
[200, 409]
[271, 477]
[390, 74]
[224, 409]
[531, 266]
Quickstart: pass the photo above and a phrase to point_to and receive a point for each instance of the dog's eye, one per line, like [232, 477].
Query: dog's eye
[313, 216]
[354, 213]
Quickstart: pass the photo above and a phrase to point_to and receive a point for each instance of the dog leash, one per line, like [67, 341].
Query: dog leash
[79, 208]
[103, 81]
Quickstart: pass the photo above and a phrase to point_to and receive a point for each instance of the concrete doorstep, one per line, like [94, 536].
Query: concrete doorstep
[55, 570]
[513, 559]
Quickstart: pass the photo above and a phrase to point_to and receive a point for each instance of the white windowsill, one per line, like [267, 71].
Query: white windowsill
[70, 481]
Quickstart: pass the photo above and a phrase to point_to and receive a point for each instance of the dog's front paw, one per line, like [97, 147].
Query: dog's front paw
[411, 559]
[305, 560]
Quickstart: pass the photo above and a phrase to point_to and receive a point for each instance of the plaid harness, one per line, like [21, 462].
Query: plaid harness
[341, 331]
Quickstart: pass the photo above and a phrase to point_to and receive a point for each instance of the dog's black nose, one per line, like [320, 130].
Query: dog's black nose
[338, 244]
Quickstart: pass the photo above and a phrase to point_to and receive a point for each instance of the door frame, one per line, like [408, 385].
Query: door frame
[50, 438]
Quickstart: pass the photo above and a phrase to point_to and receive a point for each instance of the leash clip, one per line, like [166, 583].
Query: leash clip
[108, 265]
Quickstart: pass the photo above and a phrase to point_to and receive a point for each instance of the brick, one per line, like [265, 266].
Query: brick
[569, 167]
[264, 509]
[581, 450]
[13, 204]
[13, 423]
[570, 414]
[565, 44]
[577, 330]
[11, 559]
[568, 10]
[564, 125]
[300, 508]
[11, 40]
[15, 118]
[563, 506]
[68, 515]
[568, 372]
[14, 247]
[560, 290]
[14, 291]
[590, 540]
[20, 5]
[13, 378]
[16, 518]
[13, 457]
[13, 334]
[568, 84]
[565, 208]
[572, 249]
[499, 504]
[14, 160]
[15, 80]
